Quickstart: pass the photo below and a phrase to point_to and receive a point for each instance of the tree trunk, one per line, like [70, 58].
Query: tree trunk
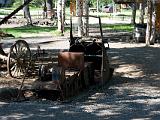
[79, 13]
[73, 7]
[27, 14]
[133, 20]
[44, 9]
[86, 19]
[14, 12]
[149, 22]
[49, 4]
[55, 4]
[5, 3]
[142, 12]
[97, 7]
[153, 30]
[63, 15]
[59, 14]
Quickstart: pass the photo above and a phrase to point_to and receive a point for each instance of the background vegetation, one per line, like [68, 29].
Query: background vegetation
[38, 3]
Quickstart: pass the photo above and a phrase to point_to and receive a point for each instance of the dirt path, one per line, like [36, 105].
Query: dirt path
[132, 94]
[45, 42]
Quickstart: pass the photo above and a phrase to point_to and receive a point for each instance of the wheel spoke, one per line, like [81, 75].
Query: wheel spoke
[18, 45]
[19, 72]
[19, 59]
[14, 51]
[13, 67]
[14, 72]
[15, 46]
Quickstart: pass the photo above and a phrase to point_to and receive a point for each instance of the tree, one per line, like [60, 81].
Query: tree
[86, 18]
[153, 27]
[14, 12]
[27, 14]
[49, 5]
[5, 2]
[61, 15]
[149, 22]
[142, 12]
[44, 9]
[79, 13]
[93, 3]
[134, 8]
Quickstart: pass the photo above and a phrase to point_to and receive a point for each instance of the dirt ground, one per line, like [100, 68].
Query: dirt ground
[132, 94]
[46, 43]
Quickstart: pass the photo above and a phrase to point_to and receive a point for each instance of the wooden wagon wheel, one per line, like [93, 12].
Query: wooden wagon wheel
[19, 59]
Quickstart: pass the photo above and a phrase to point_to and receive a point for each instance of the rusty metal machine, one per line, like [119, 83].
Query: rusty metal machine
[62, 74]
[85, 64]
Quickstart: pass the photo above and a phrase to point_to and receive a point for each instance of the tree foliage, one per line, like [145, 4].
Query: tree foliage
[38, 3]
[34, 3]
[93, 3]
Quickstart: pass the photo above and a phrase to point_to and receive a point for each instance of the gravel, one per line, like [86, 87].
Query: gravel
[132, 94]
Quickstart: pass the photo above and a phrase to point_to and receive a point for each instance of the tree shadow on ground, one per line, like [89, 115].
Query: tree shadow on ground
[112, 105]
[126, 96]
[116, 100]
[130, 97]
[147, 57]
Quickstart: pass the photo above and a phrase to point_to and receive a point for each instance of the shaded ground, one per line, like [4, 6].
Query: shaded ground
[133, 93]
[48, 43]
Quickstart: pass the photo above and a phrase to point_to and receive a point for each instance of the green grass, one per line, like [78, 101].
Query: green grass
[36, 30]
[119, 27]
[32, 30]
[3, 13]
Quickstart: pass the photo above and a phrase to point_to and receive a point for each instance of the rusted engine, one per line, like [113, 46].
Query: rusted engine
[84, 64]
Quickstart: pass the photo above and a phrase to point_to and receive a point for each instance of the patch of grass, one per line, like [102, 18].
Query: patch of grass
[19, 31]
[34, 30]
[119, 27]
[3, 13]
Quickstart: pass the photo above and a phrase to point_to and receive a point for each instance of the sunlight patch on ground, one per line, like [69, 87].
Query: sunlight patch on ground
[125, 45]
[154, 113]
[16, 116]
[155, 77]
[107, 113]
[69, 112]
[138, 90]
[101, 109]
[141, 119]
[130, 70]
[97, 95]
[3, 103]
[42, 34]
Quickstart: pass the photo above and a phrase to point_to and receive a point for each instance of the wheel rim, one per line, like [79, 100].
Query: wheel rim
[18, 59]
